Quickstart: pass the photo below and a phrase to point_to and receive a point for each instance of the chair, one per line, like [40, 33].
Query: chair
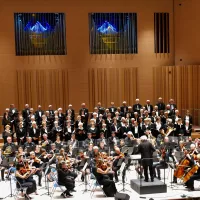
[18, 187]
[55, 185]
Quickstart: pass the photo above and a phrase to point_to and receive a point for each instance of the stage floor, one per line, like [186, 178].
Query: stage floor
[172, 193]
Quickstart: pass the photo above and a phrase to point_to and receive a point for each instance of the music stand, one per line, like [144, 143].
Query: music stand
[123, 169]
[85, 179]
[10, 180]
[46, 180]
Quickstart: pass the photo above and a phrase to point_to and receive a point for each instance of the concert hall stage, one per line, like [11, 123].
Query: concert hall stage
[142, 187]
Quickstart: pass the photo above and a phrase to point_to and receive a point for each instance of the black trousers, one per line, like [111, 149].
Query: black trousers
[190, 182]
[158, 166]
[39, 174]
[68, 183]
[30, 179]
[146, 167]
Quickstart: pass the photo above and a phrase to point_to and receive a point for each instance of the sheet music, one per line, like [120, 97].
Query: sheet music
[136, 157]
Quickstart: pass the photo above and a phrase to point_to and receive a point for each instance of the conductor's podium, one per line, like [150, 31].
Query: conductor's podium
[142, 187]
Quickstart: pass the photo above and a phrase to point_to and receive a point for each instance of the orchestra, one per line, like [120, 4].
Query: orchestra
[95, 142]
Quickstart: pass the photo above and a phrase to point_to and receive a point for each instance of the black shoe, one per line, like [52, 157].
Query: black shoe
[39, 184]
[63, 195]
[73, 190]
[159, 178]
[191, 189]
[152, 180]
[82, 178]
[141, 176]
[68, 194]
[146, 180]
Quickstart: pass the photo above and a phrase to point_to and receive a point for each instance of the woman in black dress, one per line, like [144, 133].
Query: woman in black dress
[104, 176]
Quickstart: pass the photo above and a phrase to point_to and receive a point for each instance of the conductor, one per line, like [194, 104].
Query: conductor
[146, 149]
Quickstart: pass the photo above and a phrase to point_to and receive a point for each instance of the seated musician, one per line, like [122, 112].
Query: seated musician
[65, 179]
[9, 148]
[46, 143]
[89, 140]
[37, 151]
[164, 158]
[186, 163]
[2, 168]
[89, 152]
[102, 147]
[196, 176]
[37, 164]
[22, 177]
[73, 141]
[58, 142]
[102, 139]
[112, 141]
[53, 149]
[117, 156]
[129, 140]
[29, 144]
[104, 176]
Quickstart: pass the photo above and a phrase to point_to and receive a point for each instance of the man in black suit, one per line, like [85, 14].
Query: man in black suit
[38, 115]
[13, 114]
[136, 130]
[149, 107]
[146, 149]
[84, 113]
[112, 109]
[123, 109]
[26, 112]
[137, 106]
[187, 117]
[160, 104]
[101, 110]
[173, 106]
[51, 111]
[61, 117]
[187, 128]
[71, 111]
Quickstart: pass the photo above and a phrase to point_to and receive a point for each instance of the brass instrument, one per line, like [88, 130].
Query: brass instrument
[169, 130]
[8, 150]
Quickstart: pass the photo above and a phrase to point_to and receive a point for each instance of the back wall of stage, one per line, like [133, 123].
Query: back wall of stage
[78, 58]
